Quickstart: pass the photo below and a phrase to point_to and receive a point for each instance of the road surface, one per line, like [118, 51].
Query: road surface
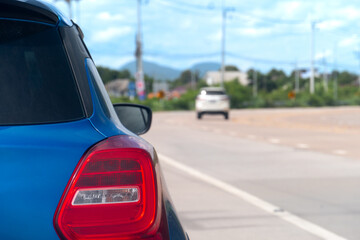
[263, 174]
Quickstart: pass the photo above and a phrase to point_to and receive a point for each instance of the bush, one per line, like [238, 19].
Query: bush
[241, 97]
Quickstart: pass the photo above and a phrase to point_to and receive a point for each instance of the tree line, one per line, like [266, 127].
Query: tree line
[273, 88]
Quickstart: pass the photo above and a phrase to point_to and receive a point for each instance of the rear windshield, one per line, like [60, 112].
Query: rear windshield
[214, 92]
[36, 83]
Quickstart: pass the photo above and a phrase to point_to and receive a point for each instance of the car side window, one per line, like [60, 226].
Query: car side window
[100, 90]
[37, 83]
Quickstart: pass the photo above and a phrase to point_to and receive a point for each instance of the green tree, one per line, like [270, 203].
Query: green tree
[239, 95]
[149, 81]
[346, 78]
[231, 68]
[108, 74]
[185, 78]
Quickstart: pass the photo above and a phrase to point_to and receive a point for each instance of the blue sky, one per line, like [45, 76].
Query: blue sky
[262, 34]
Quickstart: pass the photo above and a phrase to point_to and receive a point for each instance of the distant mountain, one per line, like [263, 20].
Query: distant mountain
[154, 70]
[204, 67]
[162, 72]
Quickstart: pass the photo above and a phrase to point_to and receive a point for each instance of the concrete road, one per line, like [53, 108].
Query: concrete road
[263, 174]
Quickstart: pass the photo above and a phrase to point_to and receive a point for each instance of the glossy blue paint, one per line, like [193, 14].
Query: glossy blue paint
[63, 20]
[36, 163]
[108, 126]
[22, 20]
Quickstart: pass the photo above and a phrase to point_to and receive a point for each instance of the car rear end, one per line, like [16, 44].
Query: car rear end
[69, 169]
[212, 101]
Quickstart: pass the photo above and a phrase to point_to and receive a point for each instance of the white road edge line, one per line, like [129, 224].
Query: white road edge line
[274, 140]
[302, 145]
[340, 152]
[268, 207]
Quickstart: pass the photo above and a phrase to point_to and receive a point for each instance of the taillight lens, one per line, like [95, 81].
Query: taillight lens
[112, 194]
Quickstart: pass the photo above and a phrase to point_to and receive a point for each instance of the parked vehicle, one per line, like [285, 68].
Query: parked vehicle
[70, 169]
[212, 100]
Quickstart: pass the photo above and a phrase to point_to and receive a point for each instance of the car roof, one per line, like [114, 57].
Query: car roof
[45, 12]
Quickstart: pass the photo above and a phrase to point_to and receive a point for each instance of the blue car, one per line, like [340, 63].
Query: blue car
[72, 165]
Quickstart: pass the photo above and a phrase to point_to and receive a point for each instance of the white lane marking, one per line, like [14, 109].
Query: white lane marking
[340, 152]
[274, 140]
[302, 145]
[251, 136]
[268, 207]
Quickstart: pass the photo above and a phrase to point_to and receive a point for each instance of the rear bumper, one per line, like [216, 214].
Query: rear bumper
[205, 106]
[212, 112]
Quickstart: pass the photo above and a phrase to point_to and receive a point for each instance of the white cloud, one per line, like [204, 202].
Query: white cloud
[289, 9]
[330, 24]
[283, 10]
[252, 31]
[111, 33]
[321, 55]
[216, 37]
[106, 16]
[350, 41]
[186, 24]
[350, 13]
[105, 21]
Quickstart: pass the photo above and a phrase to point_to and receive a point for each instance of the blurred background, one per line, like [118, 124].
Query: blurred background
[286, 165]
[279, 46]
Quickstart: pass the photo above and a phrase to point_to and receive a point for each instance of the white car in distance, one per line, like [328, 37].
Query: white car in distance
[212, 100]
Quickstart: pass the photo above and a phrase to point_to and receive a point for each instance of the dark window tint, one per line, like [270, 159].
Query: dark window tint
[36, 82]
[215, 93]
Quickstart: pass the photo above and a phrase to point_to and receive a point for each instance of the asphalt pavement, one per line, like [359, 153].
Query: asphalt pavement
[263, 174]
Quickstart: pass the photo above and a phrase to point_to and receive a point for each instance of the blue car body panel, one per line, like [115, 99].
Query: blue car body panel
[37, 162]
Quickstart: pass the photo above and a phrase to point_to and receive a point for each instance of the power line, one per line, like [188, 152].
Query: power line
[224, 11]
[183, 8]
[268, 19]
[243, 15]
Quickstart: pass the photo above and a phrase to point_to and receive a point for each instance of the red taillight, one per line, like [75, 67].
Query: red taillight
[112, 194]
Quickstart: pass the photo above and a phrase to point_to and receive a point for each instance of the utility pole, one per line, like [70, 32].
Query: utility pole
[325, 79]
[140, 85]
[312, 76]
[70, 8]
[359, 71]
[335, 77]
[255, 83]
[357, 53]
[223, 45]
[192, 80]
[223, 36]
[297, 76]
